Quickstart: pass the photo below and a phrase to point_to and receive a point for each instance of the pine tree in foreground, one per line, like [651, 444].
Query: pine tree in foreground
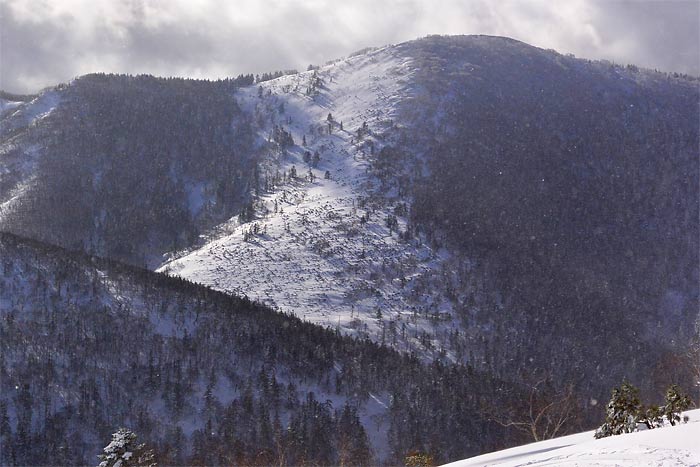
[123, 451]
[676, 402]
[622, 412]
[625, 411]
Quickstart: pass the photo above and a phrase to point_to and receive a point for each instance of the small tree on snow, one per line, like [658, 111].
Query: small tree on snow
[653, 417]
[622, 413]
[625, 410]
[123, 451]
[676, 402]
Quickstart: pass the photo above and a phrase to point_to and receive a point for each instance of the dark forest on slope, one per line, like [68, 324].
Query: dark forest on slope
[573, 185]
[88, 345]
[129, 167]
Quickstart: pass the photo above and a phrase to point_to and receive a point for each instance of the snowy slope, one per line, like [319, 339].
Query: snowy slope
[668, 446]
[315, 256]
[8, 105]
[321, 247]
[19, 167]
[23, 114]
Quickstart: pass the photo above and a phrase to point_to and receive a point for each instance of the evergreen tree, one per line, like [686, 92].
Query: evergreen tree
[351, 439]
[622, 413]
[123, 451]
[5, 434]
[653, 417]
[676, 402]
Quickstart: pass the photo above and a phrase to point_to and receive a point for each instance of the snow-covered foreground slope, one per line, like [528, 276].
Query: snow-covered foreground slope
[668, 446]
[324, 249]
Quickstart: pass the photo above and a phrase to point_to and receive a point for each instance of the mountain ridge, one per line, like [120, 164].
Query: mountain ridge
[407, 143]
[206, 377]
[465, 199]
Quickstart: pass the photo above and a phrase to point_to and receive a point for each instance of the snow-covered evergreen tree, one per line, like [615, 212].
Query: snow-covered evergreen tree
[676, 402]
[622, 413]
[123, 451]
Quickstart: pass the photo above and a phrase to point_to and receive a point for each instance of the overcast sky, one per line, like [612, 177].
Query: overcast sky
[44, 42]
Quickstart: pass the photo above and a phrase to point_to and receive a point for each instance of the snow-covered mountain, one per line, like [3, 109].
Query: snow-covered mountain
[320, 245]
[471, 199]
[477, 199]
[668, 446]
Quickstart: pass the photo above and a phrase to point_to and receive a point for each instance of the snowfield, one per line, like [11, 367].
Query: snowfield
[23, 114]
[669, 446]
[8, 105]
[22, 166]
[323, 250]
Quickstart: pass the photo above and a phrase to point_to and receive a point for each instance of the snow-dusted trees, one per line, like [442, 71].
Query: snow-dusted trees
[622, 412]
[525, 185]
[247, 213]
[433, 408]
[392, 223]
[275, 75]
[123, 451]
[315, 84]
[625, 410]
[363, 131]
[122, 180]
[676, 402]
[282, 137]
[351, 439]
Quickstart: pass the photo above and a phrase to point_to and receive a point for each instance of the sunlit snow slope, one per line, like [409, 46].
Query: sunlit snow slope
[19, 167]
[501, 255]
[668, 446]
[324, 250]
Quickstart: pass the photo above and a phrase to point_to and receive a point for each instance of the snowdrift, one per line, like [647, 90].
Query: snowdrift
[669, 446]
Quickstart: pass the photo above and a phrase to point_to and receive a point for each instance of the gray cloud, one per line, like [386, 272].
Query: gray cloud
[45, 42]
[665, 35]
